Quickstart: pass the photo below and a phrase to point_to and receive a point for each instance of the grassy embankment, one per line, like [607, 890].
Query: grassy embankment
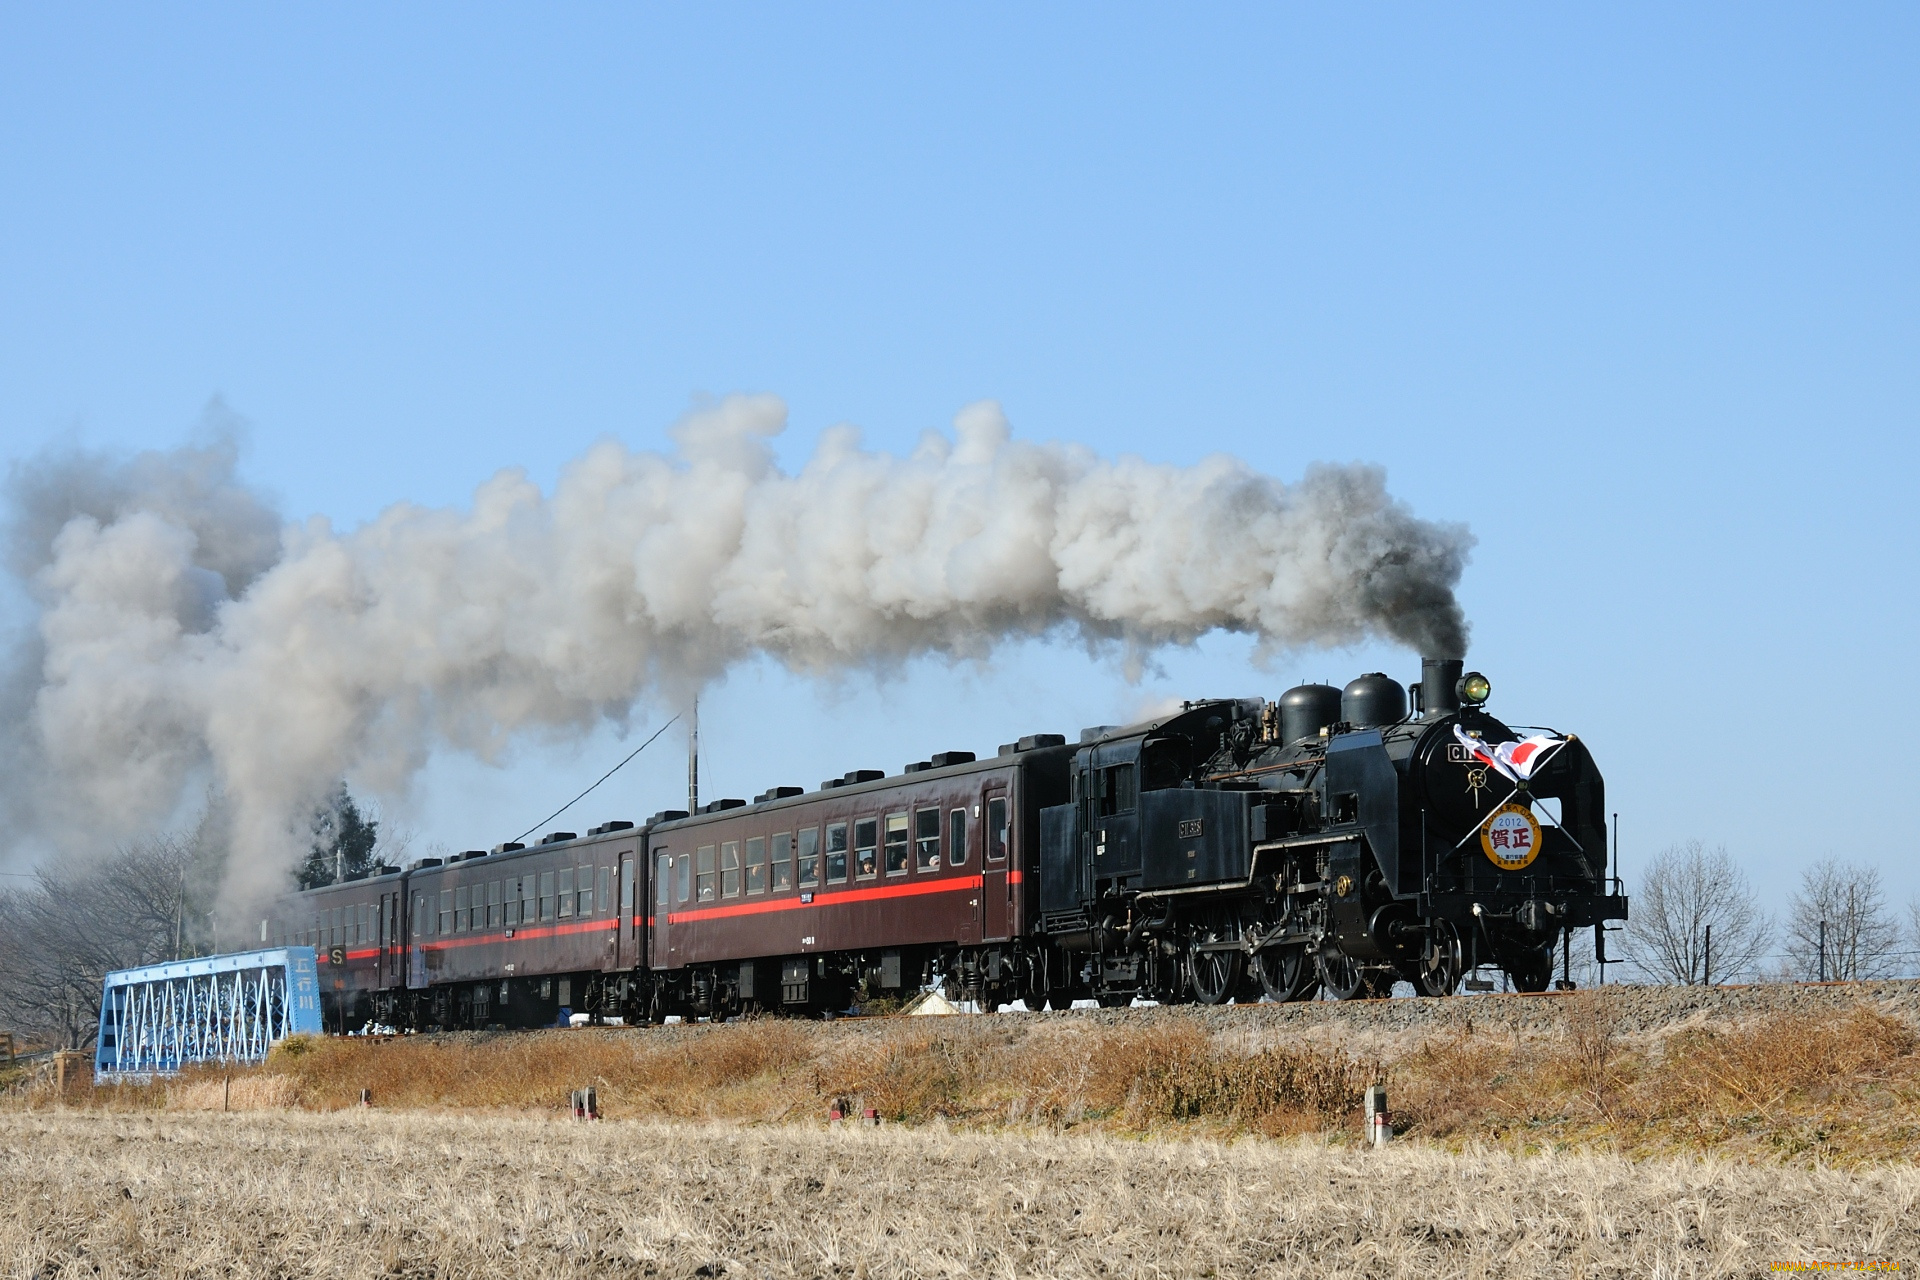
[1839, 1084]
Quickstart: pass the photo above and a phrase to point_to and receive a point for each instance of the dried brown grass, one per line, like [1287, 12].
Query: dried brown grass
[1834, 1084]
[86, 1194]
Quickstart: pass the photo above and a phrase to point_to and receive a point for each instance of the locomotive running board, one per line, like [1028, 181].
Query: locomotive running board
[1296, 844]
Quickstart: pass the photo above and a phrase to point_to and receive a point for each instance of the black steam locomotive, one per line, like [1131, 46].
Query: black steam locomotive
[1336, 841]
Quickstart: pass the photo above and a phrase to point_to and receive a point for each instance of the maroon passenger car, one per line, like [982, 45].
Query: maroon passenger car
[797, 900]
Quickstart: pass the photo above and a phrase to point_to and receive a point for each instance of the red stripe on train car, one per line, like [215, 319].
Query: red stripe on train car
[843, 897]
[535, 932]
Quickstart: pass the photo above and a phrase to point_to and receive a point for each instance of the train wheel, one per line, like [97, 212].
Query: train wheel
[1287, 973]
[1213, 975]
[1438, 973]
[1345, 979]
[1531, 970]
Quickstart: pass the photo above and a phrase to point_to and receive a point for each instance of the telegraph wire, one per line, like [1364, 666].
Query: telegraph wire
[603, 777]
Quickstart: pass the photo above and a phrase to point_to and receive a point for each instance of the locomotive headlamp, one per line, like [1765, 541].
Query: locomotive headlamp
[1474, 688]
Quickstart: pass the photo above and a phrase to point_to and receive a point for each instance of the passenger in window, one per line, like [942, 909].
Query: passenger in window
[926, 839]
[866, 848]
[757, 864]
[703, 875]
[836, 853]
[782, 861]
[808, 844]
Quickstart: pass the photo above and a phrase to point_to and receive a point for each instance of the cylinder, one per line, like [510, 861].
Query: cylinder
[1306, 709]
[1373, 700]
[1440, 685]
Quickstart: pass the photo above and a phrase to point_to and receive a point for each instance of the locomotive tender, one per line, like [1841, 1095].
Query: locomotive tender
[1336, 841]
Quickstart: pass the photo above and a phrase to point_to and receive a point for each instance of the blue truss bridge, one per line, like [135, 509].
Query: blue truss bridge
[232, 1008]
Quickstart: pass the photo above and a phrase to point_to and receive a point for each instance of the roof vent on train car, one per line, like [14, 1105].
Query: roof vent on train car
[385, 870]
[607, 828]
[558, 837]
[721, 806]
[942, 759]
[667, 815]
[421, 864]
[829, 784]
[1375, 699]
[470, 853]
[510, 846]
[1033, 742]
[1096, 732]
[918, 766]
[778, 793]
[854, 777]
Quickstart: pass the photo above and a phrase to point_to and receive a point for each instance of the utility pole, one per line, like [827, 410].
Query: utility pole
[179, 912]
[1706, 964]
[693, 758]
[1823, 951]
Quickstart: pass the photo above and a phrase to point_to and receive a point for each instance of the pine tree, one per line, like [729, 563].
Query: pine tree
[343, 841]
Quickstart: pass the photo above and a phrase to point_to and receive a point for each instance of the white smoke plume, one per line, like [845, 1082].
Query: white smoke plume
[185, 638]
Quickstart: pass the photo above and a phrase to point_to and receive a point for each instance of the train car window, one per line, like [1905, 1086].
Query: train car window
[836, 853]
[662, 874]
[626, 885]
[462, 920]
[730, 868]
[366, 922]
[997, 829]
[546, 895]
[703, 876]
[529, 906]
[897, 846]
[339, 936]
[1163, 764]
[683, 878]
[566, 893]
[586, 891]
[446, 911]
[1117, 791]
[422, 920]
[493, 904]
[957, 838]
[782, 860]
[926, 839]
[756, 864]
[809, 856]
[605, 876]
[866, 848]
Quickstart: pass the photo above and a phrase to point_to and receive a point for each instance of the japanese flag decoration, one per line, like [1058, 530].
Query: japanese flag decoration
[1514, 761]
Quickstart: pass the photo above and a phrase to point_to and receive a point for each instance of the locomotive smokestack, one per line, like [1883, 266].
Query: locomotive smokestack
[1440, 685]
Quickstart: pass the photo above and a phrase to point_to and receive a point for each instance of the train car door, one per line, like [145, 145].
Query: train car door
[996, 885]
[627, 916]
[389, 927]
[660, 944]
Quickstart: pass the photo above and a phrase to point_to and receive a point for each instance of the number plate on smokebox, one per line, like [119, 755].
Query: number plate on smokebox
[1191, 827]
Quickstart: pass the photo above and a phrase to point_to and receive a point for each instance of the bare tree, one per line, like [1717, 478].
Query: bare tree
[1695, 918]
[1839, 928]
[61, 937]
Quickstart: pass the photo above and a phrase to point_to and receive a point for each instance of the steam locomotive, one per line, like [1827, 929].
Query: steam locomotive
[1336, 841]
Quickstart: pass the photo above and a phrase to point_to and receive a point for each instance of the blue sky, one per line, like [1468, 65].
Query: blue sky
[1631, 290]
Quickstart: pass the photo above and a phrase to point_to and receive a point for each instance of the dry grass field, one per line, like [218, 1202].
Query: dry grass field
[1621, 1132]
[1816, 1076]
[366, 1194]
